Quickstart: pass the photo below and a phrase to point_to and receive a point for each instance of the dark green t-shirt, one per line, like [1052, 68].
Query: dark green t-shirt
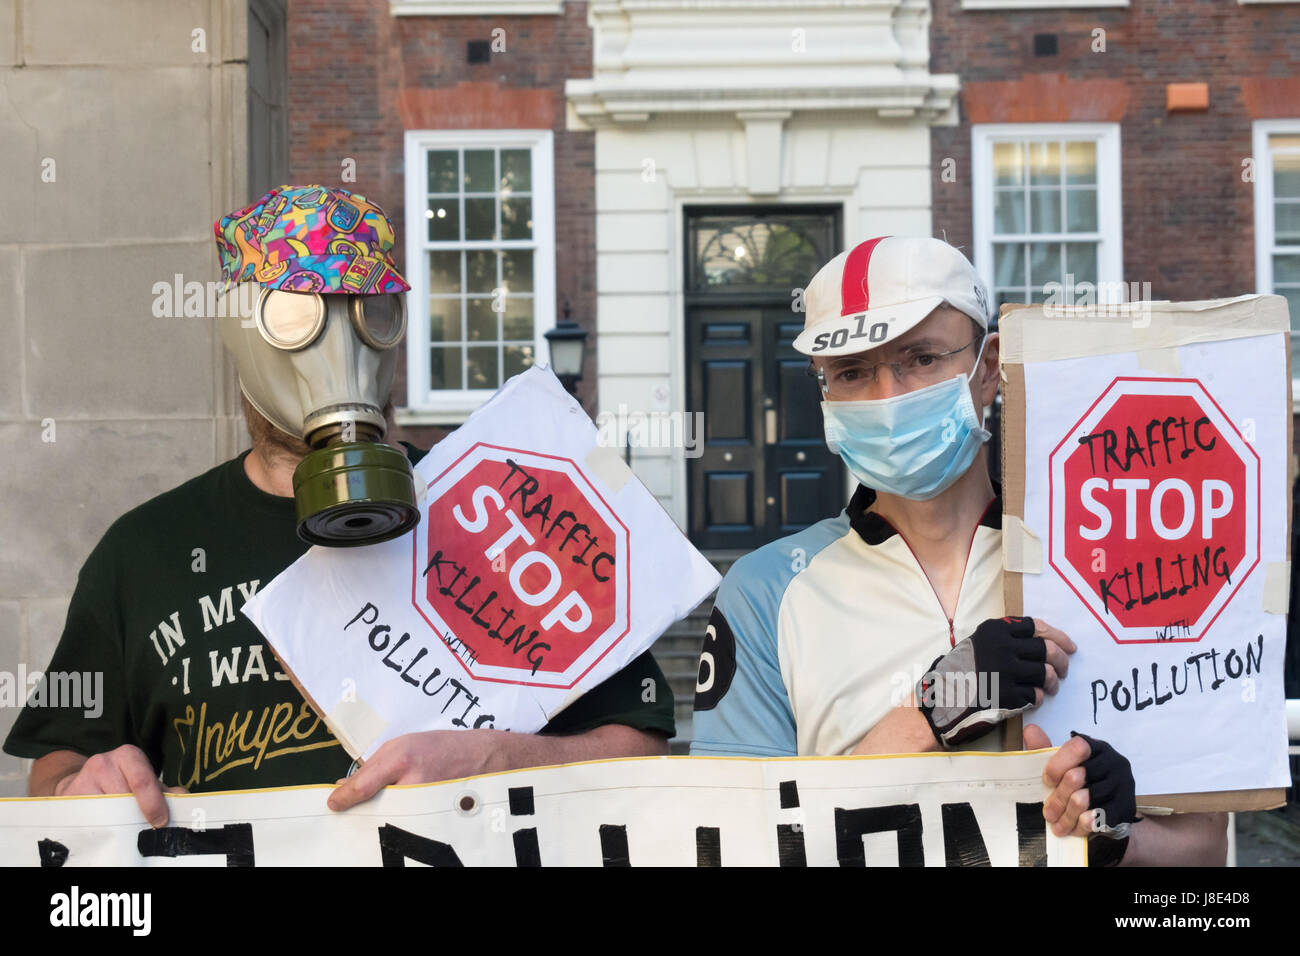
[191, 682]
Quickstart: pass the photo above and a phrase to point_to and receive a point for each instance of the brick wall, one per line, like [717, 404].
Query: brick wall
[1188, 217]
[360, 77]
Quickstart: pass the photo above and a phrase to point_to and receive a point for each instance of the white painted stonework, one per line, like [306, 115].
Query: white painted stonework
[707, 102]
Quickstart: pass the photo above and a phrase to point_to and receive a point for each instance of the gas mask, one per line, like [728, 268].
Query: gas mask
[320, 367]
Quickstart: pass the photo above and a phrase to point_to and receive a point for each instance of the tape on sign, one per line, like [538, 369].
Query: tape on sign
[607, 465]
[1161, 362]
[573, 695]
[1033, 335]
[1277, 587]
[1022, 551]
[356, 724]
[1151, 354]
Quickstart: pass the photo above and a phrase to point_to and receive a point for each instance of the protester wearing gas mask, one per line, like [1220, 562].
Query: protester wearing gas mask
[842, 638]
[312, 313]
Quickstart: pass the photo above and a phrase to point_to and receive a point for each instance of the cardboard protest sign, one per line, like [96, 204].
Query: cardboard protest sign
[927, 810]
[1147, 492]
[540, 567]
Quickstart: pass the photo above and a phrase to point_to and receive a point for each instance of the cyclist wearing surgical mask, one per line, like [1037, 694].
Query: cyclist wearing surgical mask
[848, 637]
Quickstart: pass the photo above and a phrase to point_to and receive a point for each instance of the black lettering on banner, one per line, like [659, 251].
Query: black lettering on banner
[527, 852]
[708, 846]
[52, 853]
[613, 845]
[717, 662]
[234, 841]
[789, 794]
[1031, 834]
[789, 846]
[963, 844]
[790, 849]
[852, 825]
[396, 846]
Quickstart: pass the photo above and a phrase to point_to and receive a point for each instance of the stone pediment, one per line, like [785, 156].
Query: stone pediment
[657, 57]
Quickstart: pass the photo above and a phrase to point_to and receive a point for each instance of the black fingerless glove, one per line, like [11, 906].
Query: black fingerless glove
[1112, 793]
[983, 680]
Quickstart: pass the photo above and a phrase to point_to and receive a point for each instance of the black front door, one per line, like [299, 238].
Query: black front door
[764, 470]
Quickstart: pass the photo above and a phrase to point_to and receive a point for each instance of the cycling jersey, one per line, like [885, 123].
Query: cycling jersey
[814, 637]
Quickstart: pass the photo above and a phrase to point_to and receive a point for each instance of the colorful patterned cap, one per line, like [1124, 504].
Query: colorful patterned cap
[309, 239]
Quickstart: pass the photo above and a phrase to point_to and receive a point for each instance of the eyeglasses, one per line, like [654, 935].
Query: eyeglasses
[849, 379]
[293, 320]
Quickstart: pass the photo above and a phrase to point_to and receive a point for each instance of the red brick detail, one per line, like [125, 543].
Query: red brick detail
[474, 105]
[1046, 98]
[1187, 97]
[1271, 97]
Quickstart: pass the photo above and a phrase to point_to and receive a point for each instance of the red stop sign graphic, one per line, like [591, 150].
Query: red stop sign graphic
[521, 567]
[1154, 500]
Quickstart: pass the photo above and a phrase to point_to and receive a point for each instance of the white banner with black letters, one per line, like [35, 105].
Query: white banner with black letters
[920, 810]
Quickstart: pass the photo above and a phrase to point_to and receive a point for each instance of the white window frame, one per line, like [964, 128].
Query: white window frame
[475, 8]
[1110, 216]
[425, 405]
[1265, 239]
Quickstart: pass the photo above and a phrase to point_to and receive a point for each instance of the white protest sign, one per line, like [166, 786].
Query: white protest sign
[540, 567]
[1156, 485]
[924, 810]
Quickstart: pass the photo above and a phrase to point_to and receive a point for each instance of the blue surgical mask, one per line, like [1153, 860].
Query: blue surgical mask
[913, 445]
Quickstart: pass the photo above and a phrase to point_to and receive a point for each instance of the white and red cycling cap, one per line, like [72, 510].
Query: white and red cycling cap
[880, 288]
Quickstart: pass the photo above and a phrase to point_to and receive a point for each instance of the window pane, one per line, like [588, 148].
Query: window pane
[445, 368]
[444, 220]
[1286, 223]
[481, 367]
[518, 358]
[444, 320]
[481, 270]
[1286, 174]
[516, 171]
[1008, 212]
[1008, 264]
[1081, 163]
[1081, 261]
[1007, 295]
[479, 174]
[480, 320]
[1045, 210]
[1286, 269]
[444, 273]
[1044, 164]
[480, 218]
[780, 253]
[517, 320]
[1081, 210]
[517, 270]
[1008, 164]
[442, 171]
[1044, 265]
[517, 218]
